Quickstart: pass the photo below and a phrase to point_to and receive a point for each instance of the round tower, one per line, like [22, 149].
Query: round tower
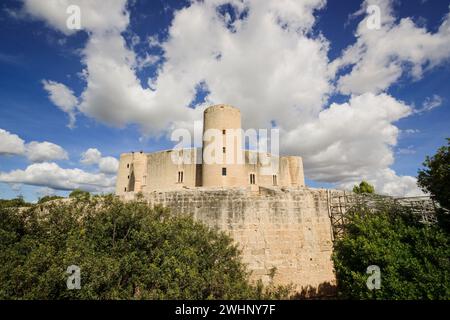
[223, 156]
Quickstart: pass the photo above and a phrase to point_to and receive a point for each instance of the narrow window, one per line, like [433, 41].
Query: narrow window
[252, 178]
[224, 171]
[224, 131]
[128, 165]
[274, 178]
[128, 177]
[224, 149]
[125, 189]
[180, 176]
[145, 180]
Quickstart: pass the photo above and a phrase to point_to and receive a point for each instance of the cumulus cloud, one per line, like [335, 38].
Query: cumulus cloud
[107, 165]
[45, 151]
[221, 47]
[90, 156]
[380, 57]
[10, 144]
[51, 175]
[63, 98]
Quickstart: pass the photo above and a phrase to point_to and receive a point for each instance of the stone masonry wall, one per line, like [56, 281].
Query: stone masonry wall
[286, 229]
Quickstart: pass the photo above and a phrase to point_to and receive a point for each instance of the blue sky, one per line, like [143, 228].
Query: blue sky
[304, 65]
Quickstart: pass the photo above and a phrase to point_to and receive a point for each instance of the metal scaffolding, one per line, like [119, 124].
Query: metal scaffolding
[342, 206]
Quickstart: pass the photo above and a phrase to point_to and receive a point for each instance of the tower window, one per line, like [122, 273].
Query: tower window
[128, 165]
[274, 179]
[224, 149]
[180, 177]
[224, 171]
[252, 178]
[224, 131]
[125, 189]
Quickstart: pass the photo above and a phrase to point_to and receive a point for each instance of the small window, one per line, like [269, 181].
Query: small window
[128, 165]
[252, 178]
[180, 177]
[224, 131]
[274, 179]
[128, 177]
[224, 171]
[224, 150]
[125, 189]
[145, 180]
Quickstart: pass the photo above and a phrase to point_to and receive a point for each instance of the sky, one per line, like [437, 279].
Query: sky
[359, 89]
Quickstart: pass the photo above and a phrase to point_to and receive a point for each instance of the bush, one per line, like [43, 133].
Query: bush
[124, 250]
[79, 194]
[48, 198]
[413, 257]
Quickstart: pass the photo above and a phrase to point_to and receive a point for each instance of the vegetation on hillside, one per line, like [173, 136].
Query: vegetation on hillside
[124, 251]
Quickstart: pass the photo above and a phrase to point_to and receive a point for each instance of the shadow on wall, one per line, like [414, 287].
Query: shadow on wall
[324, 291]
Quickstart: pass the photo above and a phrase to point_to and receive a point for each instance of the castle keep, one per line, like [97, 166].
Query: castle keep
[146, 172]
[278, 223]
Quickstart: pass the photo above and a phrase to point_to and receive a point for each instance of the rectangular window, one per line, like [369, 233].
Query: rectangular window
[224, 149]
[224, 171]
[274, 178]
[224, 131]
[145, 180]
[125, 189]
[252, 178]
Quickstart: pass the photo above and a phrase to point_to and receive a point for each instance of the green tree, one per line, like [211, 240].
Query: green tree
[48, 198]
[77, 193]
[435, 177]
[124, 251]
[364, 188]
[414, 258]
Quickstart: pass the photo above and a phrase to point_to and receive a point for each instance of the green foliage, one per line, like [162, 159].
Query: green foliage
[435, 179]
[14, 203]
[48, 198]
[364, 188]
[79, 194]
[124, 250]
[414, 258]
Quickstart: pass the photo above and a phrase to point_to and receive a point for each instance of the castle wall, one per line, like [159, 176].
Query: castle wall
[162, 171]
[286, 229]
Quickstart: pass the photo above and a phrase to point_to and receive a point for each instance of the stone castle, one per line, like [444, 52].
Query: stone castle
[278, 223]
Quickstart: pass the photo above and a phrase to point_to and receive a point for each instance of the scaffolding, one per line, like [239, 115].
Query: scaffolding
[342, 205]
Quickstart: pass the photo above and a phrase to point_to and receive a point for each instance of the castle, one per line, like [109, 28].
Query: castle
[146, 172]
[278, 223]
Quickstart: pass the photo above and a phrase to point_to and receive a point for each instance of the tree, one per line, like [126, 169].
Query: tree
[48, 198]
[124, 251]
[77, 193]
[435, 177]
[364, 188]
[413, 258]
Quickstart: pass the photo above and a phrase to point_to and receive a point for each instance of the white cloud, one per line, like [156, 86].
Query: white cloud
[35, 151]
[96, 16]
[53, 176]
[287, 79]
[63, 98]
[380, 57]
[10, 143]
[431, 103]
[108, 165]
[91, 156]
[350, 141]
[45, 151]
